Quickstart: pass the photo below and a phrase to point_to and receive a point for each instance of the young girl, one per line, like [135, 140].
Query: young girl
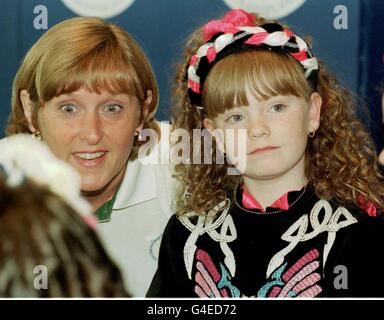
[303, 218]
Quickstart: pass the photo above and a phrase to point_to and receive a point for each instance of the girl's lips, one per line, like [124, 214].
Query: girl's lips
[263, 149]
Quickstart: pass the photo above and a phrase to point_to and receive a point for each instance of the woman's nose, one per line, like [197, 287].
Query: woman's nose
[91, 129]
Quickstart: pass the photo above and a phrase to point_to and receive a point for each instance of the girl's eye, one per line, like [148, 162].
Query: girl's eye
[68, 109]
[278, 107]
[113, 108]
[235, 118]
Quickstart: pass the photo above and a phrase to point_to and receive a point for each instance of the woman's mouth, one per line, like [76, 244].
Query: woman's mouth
[90, 159]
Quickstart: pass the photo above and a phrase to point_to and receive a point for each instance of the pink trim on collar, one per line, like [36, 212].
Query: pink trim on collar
[249, 202]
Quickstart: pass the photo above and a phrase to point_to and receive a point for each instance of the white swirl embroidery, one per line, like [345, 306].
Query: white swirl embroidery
[330, 224]
[207, 224]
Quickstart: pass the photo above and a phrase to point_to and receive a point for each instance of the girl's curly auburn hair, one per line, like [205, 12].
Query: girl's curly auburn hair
[341, 162]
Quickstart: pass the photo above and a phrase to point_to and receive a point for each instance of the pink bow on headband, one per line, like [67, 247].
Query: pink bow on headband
[229, 24]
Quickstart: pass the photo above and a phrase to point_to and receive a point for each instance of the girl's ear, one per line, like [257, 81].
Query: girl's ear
[314, 111]
[218, 134]
[27, 108]
[144, 111]
[208, 124]
[381, 157]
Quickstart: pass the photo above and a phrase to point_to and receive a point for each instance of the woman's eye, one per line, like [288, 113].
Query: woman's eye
[113, 108]
[278, 107]
[68, 109]
[235, 118]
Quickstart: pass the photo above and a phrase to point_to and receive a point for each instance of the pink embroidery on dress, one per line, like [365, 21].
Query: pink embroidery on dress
[307, 282]
[208, 263]
[205, 281]
[309, 257]
[311, 292]
[207, 277]
[300, 280]
[200, 292]
[275, 291]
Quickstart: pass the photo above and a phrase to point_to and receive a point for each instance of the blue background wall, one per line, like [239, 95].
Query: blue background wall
[161, 26]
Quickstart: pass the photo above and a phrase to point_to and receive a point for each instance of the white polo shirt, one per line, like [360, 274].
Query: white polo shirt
[139, 215]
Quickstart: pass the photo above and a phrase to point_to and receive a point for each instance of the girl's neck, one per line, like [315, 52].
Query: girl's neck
[267, 191]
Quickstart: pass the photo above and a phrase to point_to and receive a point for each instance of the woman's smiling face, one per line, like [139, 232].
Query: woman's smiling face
[92, 132]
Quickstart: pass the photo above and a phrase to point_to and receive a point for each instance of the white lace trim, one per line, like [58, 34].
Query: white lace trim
[208, 224]
[330, 224]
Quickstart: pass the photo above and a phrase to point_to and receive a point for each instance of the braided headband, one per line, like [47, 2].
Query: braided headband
[236, 32]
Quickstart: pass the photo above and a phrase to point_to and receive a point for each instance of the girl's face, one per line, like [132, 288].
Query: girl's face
[92, 132]
[275, 133]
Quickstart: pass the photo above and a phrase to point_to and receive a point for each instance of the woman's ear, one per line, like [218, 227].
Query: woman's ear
[314, 111]
[27, 108]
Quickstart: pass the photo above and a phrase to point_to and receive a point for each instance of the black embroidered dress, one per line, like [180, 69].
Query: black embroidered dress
[315, 248]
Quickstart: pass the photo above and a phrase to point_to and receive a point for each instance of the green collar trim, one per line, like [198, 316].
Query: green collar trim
[103, 214]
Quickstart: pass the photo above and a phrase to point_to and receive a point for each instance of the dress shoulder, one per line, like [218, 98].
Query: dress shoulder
[361, 257]
[171, 279]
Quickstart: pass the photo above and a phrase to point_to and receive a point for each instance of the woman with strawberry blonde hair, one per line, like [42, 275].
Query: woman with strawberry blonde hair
[87, 90]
